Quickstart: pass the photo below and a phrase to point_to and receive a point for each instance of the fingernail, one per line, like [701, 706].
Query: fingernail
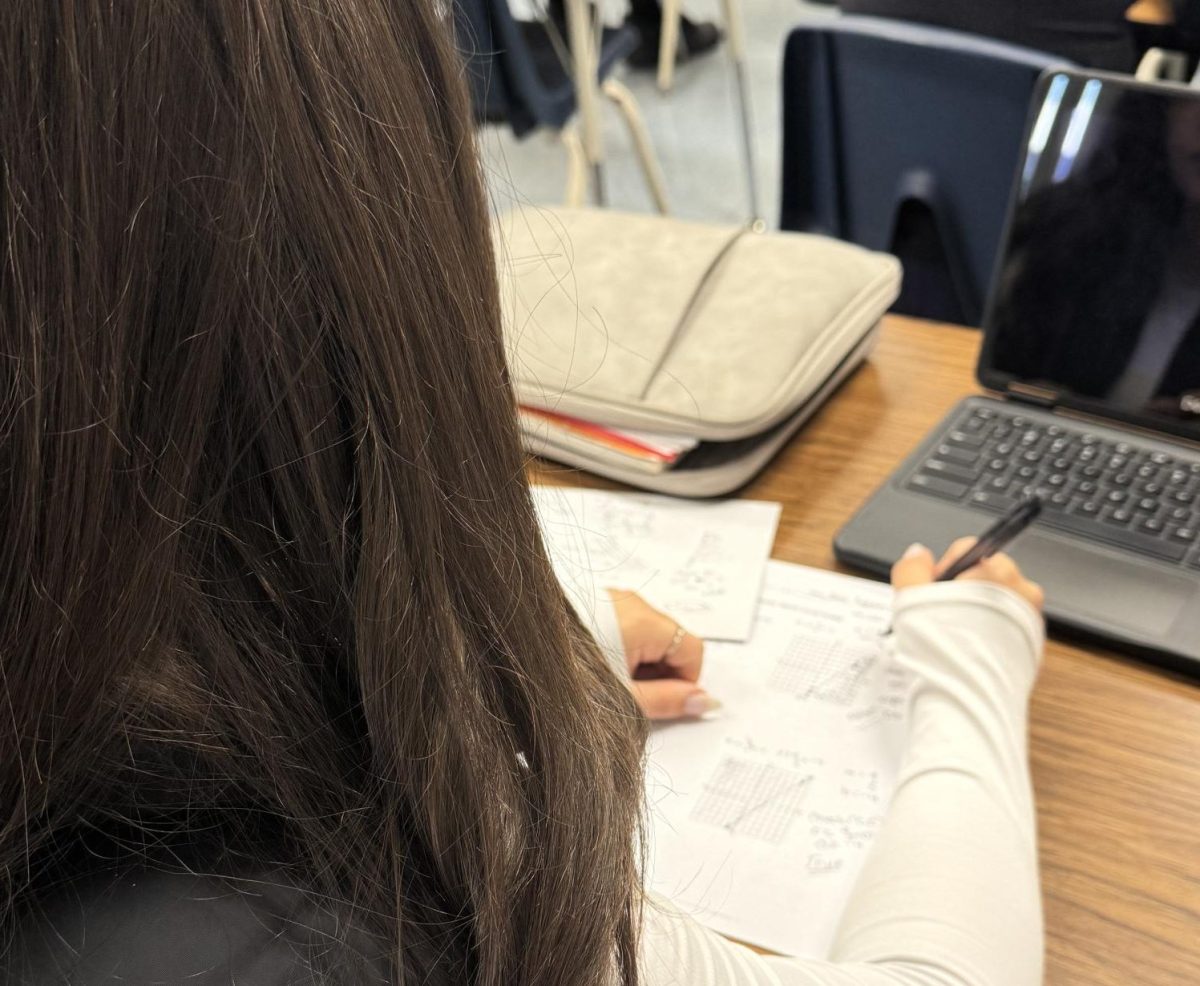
[699, 703]
[913, 550]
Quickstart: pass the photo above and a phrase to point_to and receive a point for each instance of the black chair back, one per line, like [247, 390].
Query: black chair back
[906, 138]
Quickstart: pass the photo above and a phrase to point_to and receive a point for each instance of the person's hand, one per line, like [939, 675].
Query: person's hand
[664, 660]
[917, 567]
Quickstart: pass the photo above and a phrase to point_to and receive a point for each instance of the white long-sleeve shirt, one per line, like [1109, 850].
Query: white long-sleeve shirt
[949, 895]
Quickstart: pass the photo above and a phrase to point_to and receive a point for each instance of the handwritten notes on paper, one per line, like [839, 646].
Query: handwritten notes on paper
[761, 818]
[702, 563]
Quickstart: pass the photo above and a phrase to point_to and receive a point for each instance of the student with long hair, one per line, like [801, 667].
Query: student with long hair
[288, 691]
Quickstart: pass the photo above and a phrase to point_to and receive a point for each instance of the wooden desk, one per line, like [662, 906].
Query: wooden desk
[1115, 744]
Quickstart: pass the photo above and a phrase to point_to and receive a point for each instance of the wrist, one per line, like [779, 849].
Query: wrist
[949, 623]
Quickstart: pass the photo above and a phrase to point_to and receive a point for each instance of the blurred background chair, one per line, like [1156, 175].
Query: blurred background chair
[521, 74]
[736, 42]
[906, 138]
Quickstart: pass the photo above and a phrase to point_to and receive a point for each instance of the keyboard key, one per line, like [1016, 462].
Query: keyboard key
[1151, 525]
[1116, 496]
[1121, 537]
[999, 502]
[951, 470]
[939, 487]
[965, 439]
[951, 453]
[1184, 534]
[1089, 508]
[1119, 517]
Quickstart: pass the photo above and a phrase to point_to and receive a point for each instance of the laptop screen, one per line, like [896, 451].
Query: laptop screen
[1096, 301]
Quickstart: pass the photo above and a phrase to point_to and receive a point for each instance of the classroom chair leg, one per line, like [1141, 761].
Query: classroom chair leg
[668, 43]
[736, 40]
[577, 167]
[1158, 64]
[628, 106]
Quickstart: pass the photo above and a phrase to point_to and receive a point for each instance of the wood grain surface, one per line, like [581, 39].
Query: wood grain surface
[1115, 743]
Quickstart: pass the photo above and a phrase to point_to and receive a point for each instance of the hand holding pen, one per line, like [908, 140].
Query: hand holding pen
[975, 558]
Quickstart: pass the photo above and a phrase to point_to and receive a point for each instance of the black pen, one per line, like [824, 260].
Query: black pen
[996, 538]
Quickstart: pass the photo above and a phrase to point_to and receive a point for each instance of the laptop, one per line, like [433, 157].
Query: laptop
[1091, 361]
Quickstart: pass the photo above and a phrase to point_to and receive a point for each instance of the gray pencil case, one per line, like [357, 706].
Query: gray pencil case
[716, 332]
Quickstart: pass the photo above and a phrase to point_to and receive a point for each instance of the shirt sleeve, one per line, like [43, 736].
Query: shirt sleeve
[597, 612]
[949, 895]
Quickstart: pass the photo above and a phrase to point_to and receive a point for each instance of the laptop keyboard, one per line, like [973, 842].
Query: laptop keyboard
[1143, 500]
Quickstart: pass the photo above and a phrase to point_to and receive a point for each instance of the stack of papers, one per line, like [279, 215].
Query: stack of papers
[762, 815]
[701, 563]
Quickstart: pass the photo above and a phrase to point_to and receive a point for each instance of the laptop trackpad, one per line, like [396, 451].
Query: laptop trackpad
[1104, 589]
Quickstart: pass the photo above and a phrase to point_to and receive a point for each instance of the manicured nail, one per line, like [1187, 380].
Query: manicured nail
[914, 550]
[699, 703]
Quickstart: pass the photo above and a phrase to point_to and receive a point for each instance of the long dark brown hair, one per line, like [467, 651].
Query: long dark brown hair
[270, 567]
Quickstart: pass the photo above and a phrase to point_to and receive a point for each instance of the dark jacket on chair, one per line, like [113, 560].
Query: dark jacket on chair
[1089, 32]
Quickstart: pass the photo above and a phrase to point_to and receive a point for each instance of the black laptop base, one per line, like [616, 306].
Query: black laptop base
[1133, 588]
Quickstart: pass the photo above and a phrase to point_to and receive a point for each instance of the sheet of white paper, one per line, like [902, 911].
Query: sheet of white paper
[701, 563]
[761, 817]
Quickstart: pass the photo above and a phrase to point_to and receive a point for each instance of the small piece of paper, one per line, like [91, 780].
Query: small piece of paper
[700, 563]
[762, 816]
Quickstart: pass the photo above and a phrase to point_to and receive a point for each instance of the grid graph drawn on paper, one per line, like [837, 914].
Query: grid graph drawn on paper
[757, 800]
[830, 670]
